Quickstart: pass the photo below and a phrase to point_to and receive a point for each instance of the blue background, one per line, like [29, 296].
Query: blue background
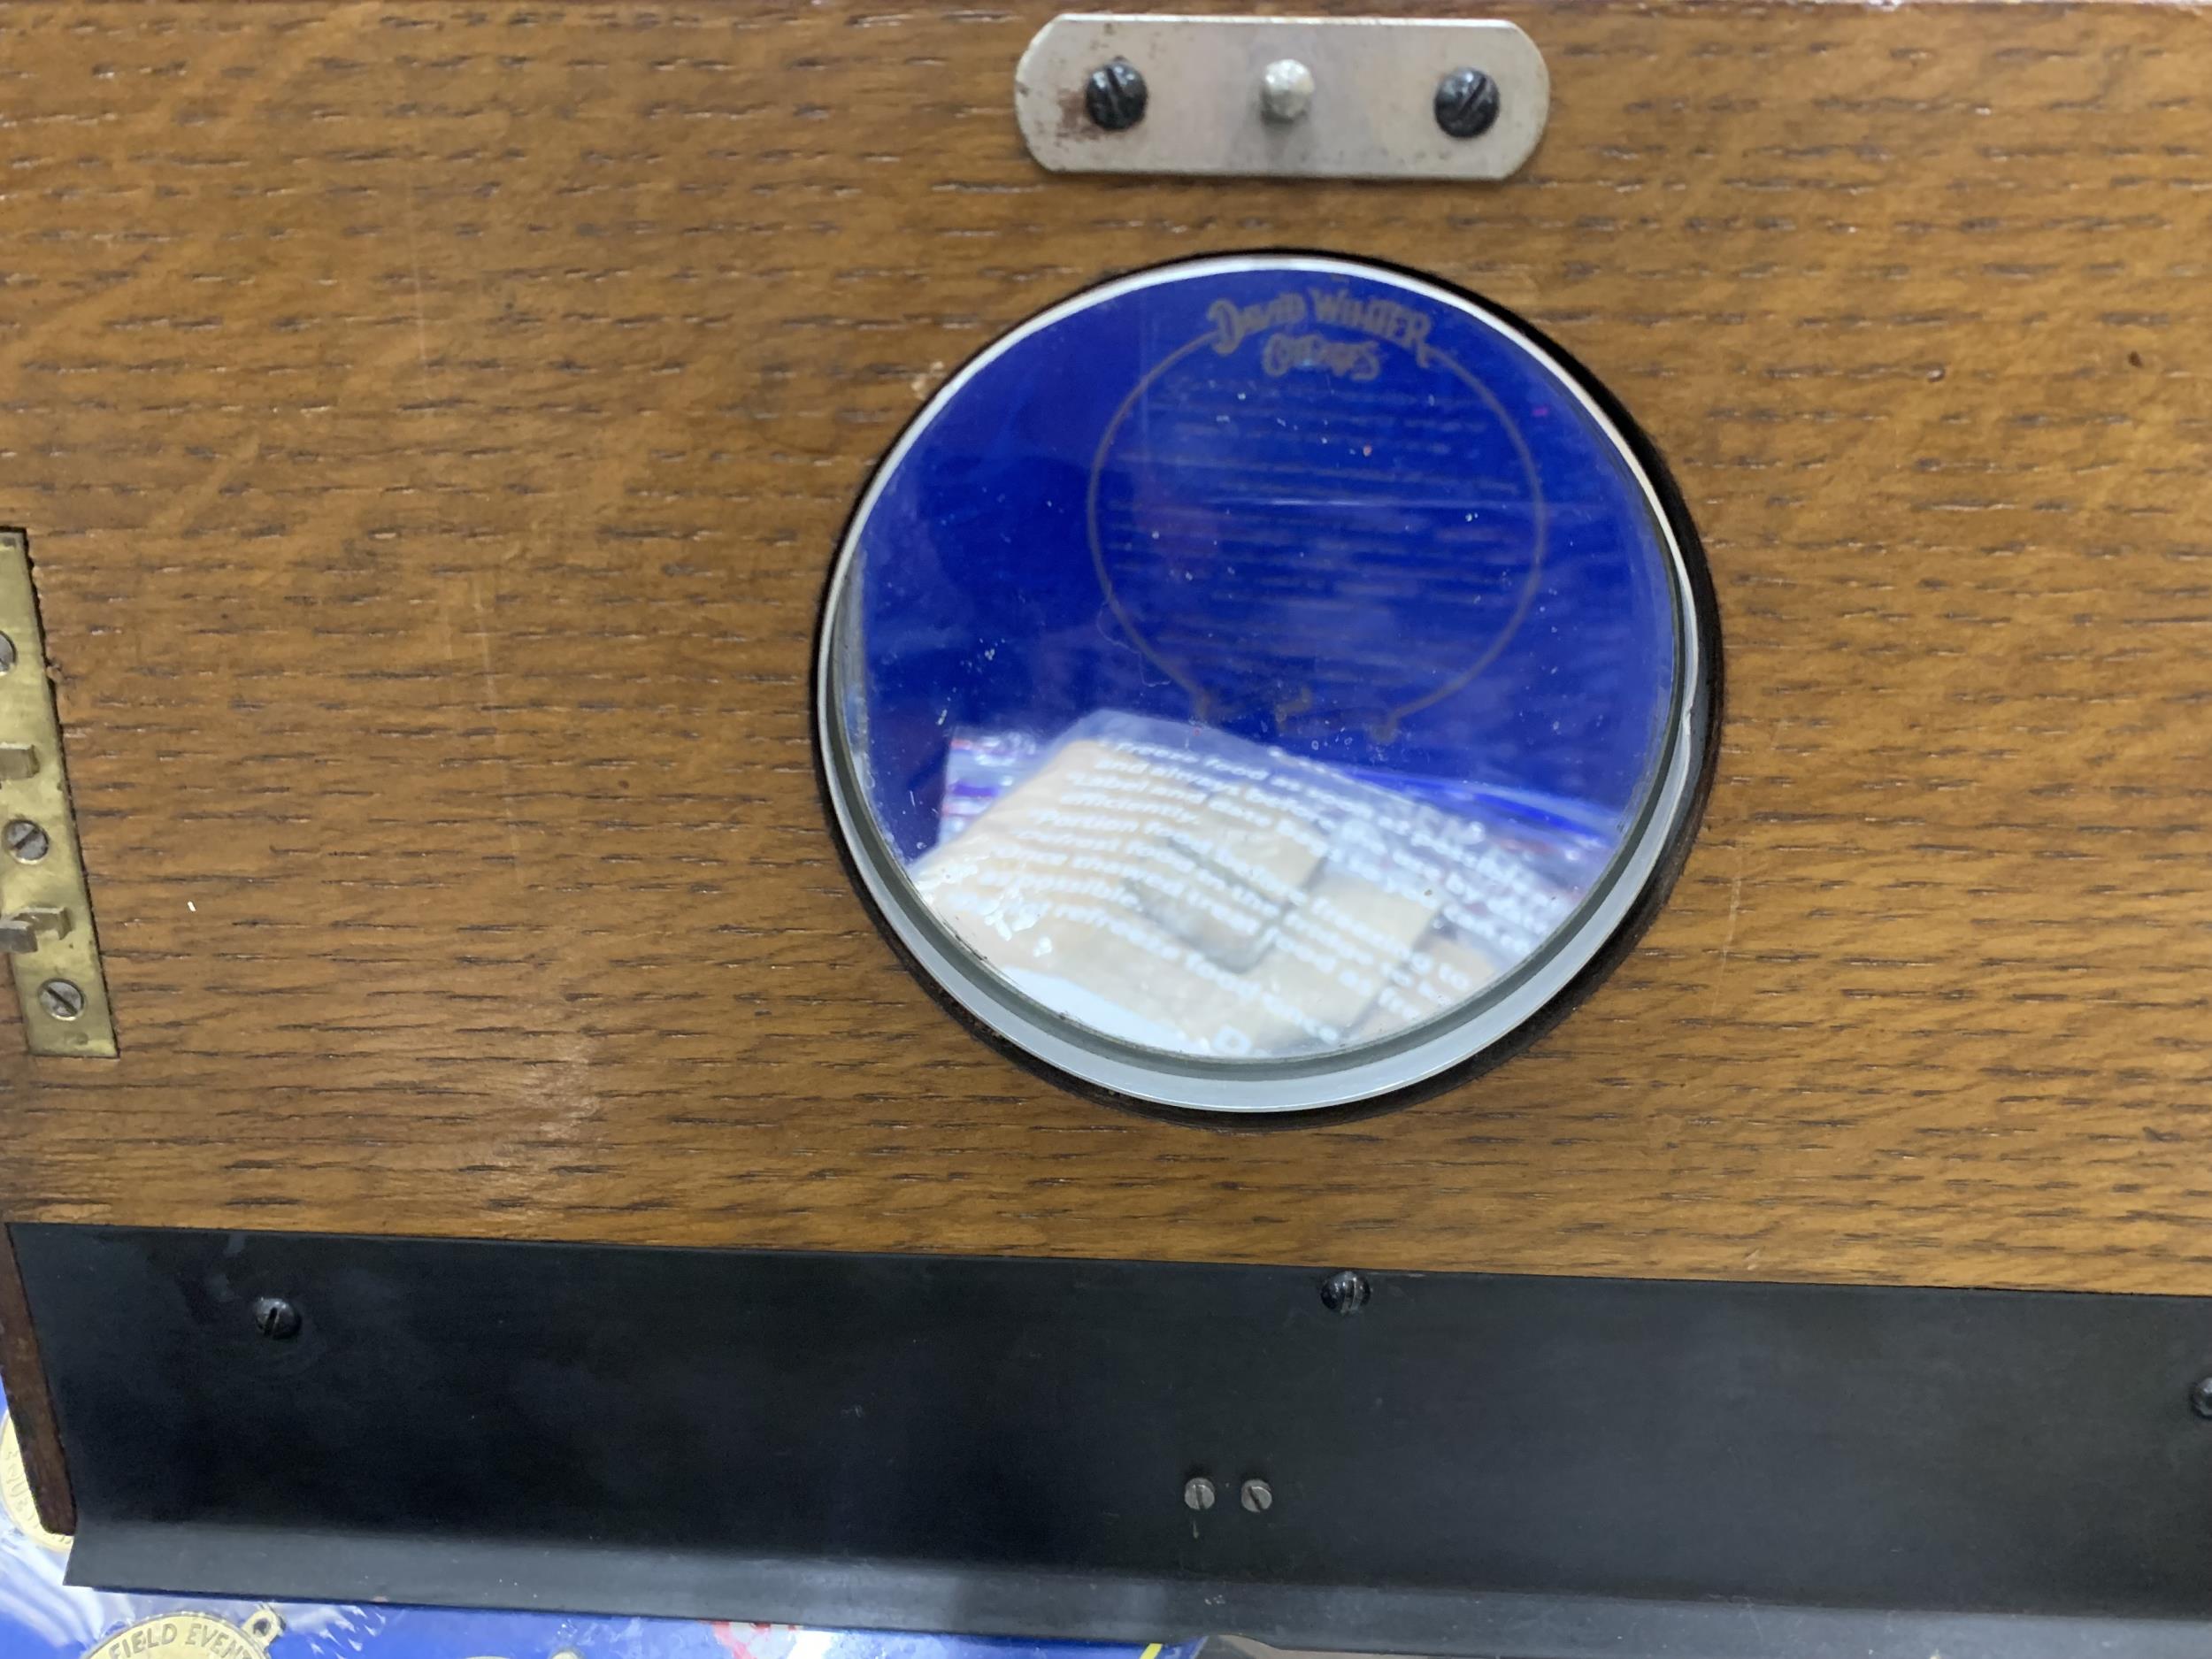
[1308, 553]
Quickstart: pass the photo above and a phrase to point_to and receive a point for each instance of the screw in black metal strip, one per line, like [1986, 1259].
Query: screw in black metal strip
[1344, 1292]
[61, 999]
[1198, 1492]
[1257, 1496]
[7, 653]
[2200, 1396]
[1466, 103]
[1115, 96]
[25, 840]
[276, 1318]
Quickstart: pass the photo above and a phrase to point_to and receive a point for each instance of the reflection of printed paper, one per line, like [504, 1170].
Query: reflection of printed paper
[1187, 890]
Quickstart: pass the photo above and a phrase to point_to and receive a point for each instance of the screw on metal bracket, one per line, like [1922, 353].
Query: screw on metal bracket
[1286, 90]
[1466, 103]
[2200, 1396]
[61, 998]
[1338, 97]
[276, 1318]
[25, 840]
[1344, 1292]
[1198, 1493]
[1115, 96]
[7, 653]
[1257, 1496]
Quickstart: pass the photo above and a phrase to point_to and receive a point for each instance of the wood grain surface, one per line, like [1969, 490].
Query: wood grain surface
[435, 423]
[30, 1408]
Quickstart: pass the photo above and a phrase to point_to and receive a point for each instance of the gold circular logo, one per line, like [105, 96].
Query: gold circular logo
[189, 1636]
[15, 1491]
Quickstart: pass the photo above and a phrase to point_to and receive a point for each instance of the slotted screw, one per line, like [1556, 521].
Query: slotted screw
[1115, 96]
[1344, 1292]
[1466, 103]
[61, 999]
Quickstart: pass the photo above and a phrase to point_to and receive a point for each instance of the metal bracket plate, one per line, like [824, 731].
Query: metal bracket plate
[1365, 108]
[45, 909]
[1454, 1463]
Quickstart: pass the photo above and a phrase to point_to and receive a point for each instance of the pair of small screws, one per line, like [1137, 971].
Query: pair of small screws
[1342, 1291]
[1257, 1496]
[1115, 97]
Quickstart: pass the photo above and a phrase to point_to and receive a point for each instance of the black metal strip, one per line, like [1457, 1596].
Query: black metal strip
[1465, 1464]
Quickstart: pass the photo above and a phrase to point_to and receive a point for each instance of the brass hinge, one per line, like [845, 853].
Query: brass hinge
[45, 910]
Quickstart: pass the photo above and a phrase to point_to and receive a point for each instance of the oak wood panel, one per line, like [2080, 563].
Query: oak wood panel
[30, 1406]
[435, 423]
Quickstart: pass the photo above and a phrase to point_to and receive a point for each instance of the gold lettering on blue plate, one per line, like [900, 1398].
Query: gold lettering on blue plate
[190, 1636]
[1383, 319]
[1338, 333]
[1354, 359]
[1234, 324]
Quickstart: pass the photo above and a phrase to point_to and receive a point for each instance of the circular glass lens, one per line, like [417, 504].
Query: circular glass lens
[1261, 683]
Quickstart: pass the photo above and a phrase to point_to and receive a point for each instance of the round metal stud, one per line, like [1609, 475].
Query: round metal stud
[1285, 91]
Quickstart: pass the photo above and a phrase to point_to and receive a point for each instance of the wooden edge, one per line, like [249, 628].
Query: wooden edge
[28, 1403]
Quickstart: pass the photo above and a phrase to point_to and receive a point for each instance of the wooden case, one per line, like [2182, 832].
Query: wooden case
[433, 425]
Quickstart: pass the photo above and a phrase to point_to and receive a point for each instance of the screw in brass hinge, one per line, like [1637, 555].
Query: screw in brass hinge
[45, 911]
